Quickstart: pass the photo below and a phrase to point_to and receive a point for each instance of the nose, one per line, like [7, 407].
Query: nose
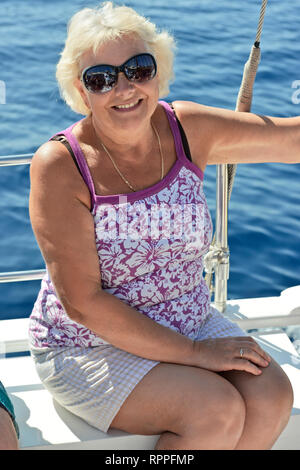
[123, 85]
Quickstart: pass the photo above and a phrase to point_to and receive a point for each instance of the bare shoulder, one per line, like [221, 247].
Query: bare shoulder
[53, 167]
[50, 158]
[190, 111]
[198, 122]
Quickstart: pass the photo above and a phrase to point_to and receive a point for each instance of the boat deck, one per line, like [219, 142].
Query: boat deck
[44, 424]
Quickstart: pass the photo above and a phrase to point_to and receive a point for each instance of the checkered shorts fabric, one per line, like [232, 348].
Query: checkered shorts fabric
[216, 325]
[94, 382]
[90, 382]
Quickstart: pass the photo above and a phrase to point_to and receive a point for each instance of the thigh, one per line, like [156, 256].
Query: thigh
[171, 395]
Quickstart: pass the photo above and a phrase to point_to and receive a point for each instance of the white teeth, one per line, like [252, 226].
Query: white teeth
[122, 106]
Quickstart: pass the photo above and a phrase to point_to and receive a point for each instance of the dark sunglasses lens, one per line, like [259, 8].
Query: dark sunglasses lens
[102, 78]
[97, 80]
[140, 68]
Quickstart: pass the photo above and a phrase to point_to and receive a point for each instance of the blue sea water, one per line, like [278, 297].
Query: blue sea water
[213, 43]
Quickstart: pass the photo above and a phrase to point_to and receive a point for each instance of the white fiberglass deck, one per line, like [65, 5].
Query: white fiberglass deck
[44, 424]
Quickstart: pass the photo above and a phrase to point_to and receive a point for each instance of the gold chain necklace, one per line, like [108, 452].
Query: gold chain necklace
[118, 170]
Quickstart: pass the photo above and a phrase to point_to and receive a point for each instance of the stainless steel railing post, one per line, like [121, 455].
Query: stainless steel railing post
[221, 242]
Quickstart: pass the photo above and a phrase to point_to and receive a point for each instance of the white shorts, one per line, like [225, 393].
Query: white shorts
[94, 382]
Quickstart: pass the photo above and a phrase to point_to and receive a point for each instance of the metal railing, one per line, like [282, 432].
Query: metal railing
[16, 159]
[17, 276]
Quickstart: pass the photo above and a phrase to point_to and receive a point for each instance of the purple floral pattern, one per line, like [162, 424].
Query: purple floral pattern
[162, 277]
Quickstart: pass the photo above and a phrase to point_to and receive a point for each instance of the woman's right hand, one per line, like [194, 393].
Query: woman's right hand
[231, 353]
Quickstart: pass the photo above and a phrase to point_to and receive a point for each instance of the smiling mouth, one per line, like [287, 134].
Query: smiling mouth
[128, 107]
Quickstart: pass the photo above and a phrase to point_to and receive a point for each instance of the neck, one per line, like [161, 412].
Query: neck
[125, 143]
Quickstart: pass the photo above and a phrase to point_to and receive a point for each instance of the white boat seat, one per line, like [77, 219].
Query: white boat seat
[44, 424]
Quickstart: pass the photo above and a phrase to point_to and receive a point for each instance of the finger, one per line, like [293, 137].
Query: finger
[262, 352]
[246, 366]
[253, 344]
[253, 356]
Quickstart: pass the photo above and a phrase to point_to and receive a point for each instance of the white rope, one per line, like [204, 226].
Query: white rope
[244, 99]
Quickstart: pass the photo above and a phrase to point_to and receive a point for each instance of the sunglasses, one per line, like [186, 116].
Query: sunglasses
[103, 78]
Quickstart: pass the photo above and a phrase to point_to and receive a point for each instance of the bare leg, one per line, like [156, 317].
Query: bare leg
[268, 399]
[8, 436]
[191, 408]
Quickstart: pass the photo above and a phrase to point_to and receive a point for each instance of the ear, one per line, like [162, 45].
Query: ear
[82, 91]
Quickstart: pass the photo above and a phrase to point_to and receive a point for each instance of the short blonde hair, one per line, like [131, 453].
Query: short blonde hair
[90, 28]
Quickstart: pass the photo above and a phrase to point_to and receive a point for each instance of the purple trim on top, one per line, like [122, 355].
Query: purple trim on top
[178, 141]
[181, 160]
[142, 193]
[82, 163]
[80, 158]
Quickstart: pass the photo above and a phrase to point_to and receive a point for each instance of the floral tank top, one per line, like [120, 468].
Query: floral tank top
[150, 245]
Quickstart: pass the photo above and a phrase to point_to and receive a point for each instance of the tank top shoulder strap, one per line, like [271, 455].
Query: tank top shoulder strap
[67, 138]
[180, 138]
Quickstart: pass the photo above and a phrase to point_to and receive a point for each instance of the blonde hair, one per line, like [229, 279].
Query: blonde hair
[90, 28]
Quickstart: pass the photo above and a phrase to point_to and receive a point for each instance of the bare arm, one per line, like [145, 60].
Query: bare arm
[218, 136]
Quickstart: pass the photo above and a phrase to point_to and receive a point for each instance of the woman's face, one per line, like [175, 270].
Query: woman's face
[107, 108]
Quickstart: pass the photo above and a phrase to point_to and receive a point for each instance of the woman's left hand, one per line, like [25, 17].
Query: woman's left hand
[231, 353]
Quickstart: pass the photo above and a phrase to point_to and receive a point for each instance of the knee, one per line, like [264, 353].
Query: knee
[282, 397]
[224, 419]
[277, 397]
[231, 417]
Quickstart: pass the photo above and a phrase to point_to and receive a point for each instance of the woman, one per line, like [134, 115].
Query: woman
[122, 332]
